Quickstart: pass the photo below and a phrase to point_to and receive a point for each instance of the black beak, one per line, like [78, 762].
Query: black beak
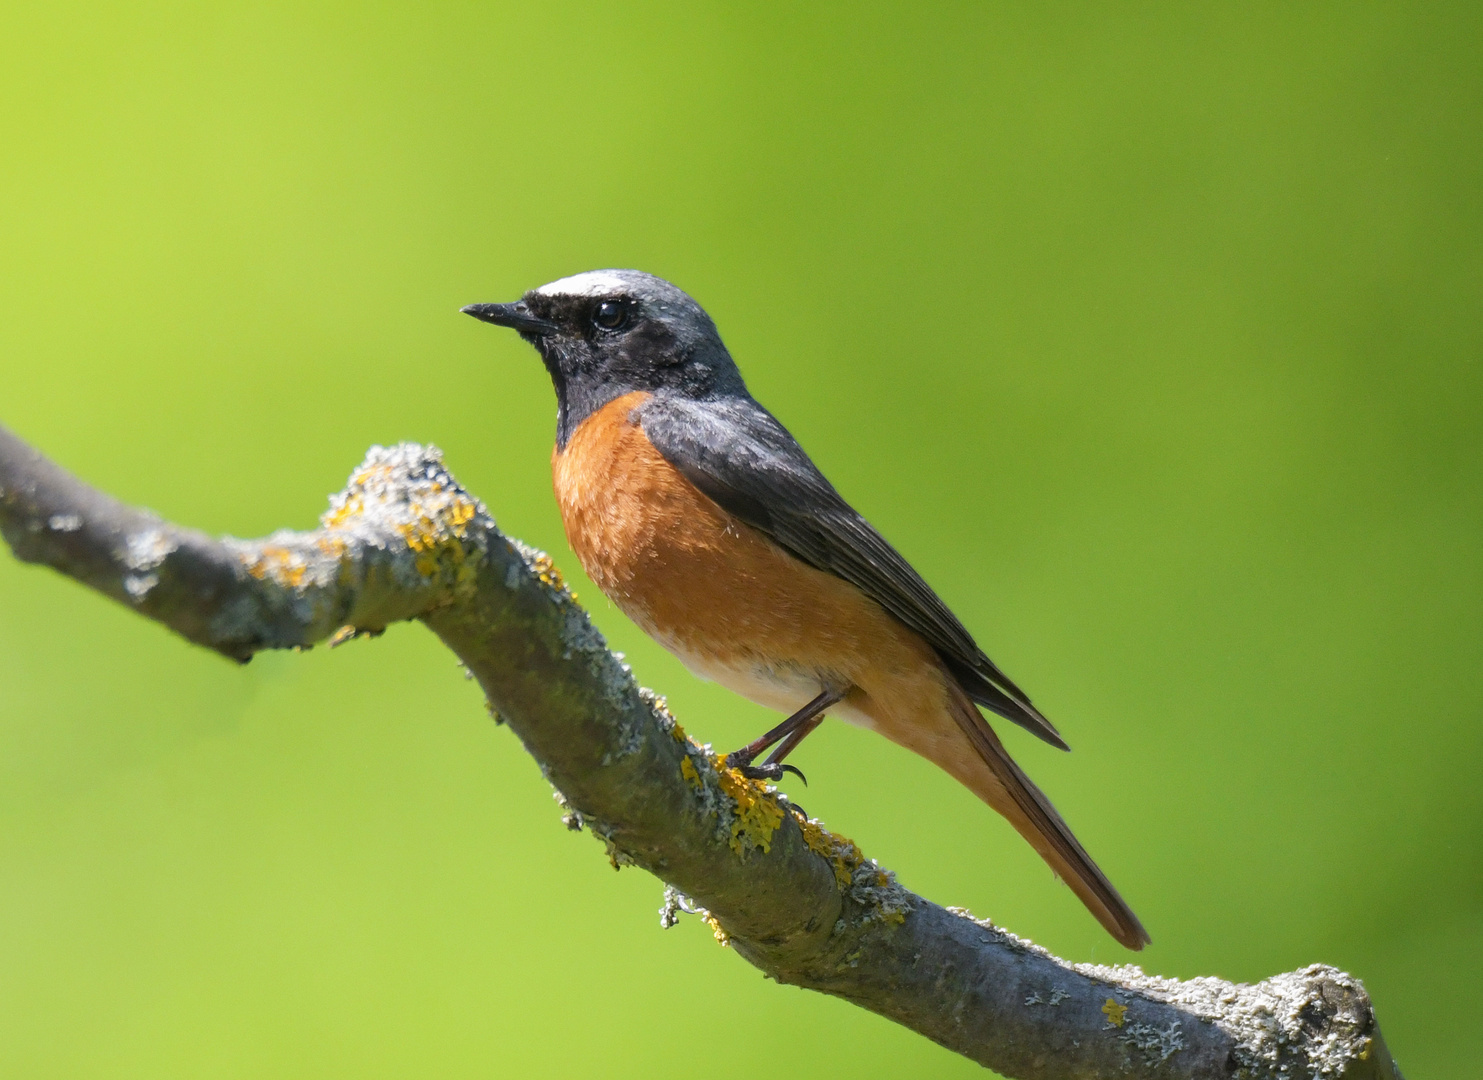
[516, 316]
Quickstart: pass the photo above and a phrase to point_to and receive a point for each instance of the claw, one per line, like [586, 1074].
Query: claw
[796, 772]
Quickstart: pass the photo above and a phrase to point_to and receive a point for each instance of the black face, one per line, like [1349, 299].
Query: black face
[610, 332]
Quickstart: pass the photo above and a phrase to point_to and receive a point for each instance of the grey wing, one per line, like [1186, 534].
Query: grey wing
[738, 455]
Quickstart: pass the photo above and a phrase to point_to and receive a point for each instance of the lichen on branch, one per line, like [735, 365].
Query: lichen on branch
[405, 541]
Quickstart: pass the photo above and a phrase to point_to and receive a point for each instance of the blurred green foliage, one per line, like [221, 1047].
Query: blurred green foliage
[1150, 333]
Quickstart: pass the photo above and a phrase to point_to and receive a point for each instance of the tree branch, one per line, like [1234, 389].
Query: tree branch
[405, 541]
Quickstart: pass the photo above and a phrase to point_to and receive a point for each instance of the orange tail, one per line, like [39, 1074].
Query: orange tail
[1009, 791]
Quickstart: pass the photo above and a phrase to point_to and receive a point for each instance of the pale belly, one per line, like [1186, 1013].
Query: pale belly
[787, 688]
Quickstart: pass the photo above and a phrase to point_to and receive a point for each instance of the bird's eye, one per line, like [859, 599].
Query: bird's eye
[610, 315]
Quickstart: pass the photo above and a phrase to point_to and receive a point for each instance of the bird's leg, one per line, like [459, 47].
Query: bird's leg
[788, 745]
[791, 732]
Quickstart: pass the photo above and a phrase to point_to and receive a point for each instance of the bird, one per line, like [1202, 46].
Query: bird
[703, 520]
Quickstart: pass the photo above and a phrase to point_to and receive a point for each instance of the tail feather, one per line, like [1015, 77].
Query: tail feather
[1010, 704]
[1032, 814]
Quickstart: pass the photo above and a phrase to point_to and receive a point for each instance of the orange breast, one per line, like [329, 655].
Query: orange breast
[712, 589]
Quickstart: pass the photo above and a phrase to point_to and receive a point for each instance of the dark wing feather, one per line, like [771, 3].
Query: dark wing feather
[737, 454]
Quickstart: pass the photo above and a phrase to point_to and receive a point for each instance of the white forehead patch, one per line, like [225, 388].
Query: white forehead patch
[592, 283]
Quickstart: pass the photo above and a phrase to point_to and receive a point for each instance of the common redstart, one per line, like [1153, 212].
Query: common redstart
[704, 521]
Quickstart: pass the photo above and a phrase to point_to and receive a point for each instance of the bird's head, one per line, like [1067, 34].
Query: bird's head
[607, 333]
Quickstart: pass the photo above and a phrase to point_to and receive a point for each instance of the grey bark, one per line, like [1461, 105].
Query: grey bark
[405, 541]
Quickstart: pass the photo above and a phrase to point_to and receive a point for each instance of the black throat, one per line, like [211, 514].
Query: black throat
[650, 360]
[580, 397]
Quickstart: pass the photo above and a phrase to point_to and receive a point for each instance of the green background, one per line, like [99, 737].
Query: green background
[1150, 334]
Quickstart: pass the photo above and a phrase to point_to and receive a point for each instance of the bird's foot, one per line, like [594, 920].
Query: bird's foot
[771, 770]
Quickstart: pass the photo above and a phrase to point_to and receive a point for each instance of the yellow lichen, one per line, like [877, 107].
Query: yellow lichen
[758, 815]
[417, 500]
[687, 770]
[460, 513]
[421, 533]
[844, 857]
[720, 935]
[548, 573]
[1116, 1013]
[891, 915]
[333, 546]
[342, 635]
[369, 473]
[431, 530]
[283, 566]
[351, 507]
